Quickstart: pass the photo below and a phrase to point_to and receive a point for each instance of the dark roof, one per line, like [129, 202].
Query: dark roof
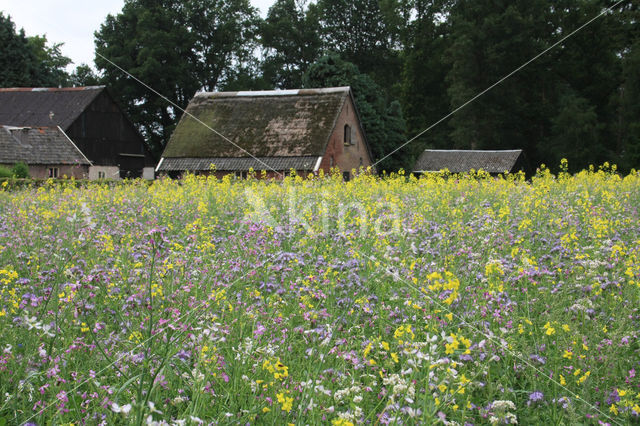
[45, 106]
[38, 145]
[276, 123]
[460, 161]
[239, 164]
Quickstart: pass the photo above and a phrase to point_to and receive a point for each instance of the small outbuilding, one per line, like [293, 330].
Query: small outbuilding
[90, 117]
[305, 130]
[463, 161]
[47, 151]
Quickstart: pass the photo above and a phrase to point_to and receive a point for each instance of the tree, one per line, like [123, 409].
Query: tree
[384, 126]
[225, 37]
[629, 90]
[363, 32]
[630, 108]
[176, 48]
[423, 91]
[51, 62]
[488, 41]
[83, 75]
[29, 61]
[290, 37]
[575, 134]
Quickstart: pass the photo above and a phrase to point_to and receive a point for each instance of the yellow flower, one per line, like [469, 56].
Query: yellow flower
[566, 328]
[341, 422]
[266, 409]
[613, 409]
[563, 382]
[286, 402]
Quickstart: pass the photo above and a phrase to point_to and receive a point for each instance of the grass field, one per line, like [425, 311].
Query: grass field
[459, 300]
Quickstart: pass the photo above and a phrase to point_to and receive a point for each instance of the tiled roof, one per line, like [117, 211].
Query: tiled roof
[45, 106]
[239, 164]
[38, 145]
[286, 123]
[460, 161]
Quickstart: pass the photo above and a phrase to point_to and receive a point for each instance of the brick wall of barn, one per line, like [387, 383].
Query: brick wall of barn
[346, 156]
[42, 171]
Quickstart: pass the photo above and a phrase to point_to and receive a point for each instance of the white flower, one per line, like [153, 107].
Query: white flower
[152, 408]
[47, 330]
[32, 322]
[118, 409]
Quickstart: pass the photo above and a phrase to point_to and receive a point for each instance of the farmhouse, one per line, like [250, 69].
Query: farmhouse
[47, 151]
[91, 119]
[305, 130]
[462, 161]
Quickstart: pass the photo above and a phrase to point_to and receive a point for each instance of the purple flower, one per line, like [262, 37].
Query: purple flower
[535, 397]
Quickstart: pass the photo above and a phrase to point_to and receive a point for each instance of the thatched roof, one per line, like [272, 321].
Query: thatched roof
[268, 125]
[460, 161]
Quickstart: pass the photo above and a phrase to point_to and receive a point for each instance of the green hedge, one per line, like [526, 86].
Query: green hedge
[16, 183]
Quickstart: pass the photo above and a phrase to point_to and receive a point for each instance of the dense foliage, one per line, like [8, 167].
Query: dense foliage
[29, 61]
[467, 299]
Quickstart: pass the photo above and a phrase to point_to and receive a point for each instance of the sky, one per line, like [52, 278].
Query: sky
[72, 22]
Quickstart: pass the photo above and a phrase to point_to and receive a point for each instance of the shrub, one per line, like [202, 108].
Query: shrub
[5, 173]
[20, 170]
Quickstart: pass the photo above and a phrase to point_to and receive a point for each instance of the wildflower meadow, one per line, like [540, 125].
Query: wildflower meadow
[464, 299]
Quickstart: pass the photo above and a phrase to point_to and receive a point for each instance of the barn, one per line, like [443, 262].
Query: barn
[47, 151]
[305, 130]
[91, 119]
[463, 161]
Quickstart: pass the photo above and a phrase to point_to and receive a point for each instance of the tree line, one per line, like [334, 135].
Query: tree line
[409, 62]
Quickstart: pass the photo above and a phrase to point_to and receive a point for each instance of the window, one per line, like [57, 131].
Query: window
[101, 175]
[241, 175]
[53, 172]
[346, 176]
[331, 163]
[347, 134]
[360, 161]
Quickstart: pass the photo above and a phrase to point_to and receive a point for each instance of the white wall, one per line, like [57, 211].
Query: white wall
[110, 172]
[148, 173]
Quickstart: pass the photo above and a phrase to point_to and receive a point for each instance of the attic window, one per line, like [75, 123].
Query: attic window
[347, 134]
